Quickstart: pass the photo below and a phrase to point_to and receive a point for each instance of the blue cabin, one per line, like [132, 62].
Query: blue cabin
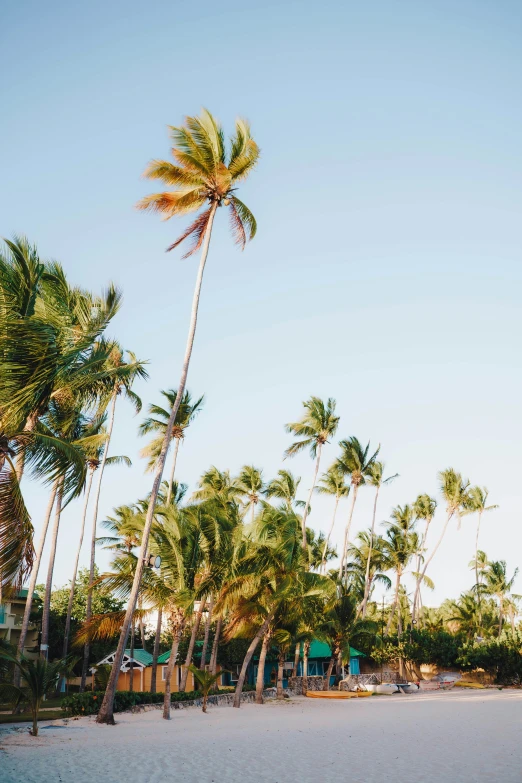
[318, 660]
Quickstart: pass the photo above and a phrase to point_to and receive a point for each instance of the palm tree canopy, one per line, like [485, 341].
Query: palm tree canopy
[318, 424]
[332, 483]
[375, 475]
[205, 172]
[424, 507]
[476, 501]
[454, 490]
[356, 460]
[284, 487]
[158, 419]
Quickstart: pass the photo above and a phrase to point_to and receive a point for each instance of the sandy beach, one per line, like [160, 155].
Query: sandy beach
[461, 737]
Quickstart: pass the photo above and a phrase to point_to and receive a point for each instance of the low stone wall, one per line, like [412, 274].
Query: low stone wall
[299, 685]
[220, 700]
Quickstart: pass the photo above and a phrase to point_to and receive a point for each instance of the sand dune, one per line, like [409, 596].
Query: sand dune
[444, 737]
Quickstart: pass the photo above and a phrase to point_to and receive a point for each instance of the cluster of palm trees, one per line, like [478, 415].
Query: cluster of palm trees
[240, 550]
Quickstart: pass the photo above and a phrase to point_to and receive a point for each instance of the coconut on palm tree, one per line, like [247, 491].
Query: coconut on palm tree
[318, 424]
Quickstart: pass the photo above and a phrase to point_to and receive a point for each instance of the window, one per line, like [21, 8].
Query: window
[163, 672]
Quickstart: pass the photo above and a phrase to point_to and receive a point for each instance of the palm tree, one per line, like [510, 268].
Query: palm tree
[332, 483]
[356, 462]
[359, 553]
[157, 422]
[401, 543]
[128, 372]
[40, 678]
[477, 504]
[251, 483]
[318, 424]
[454, 490]
[498, 584]
[93, 455]
[285, 487]
[344, 627]
[206, 681]
[51, 348]
[424, 508]
[376, 479]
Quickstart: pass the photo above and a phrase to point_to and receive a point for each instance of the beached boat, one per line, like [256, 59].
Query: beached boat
[336, 694]
[409, 687]
[383, 688]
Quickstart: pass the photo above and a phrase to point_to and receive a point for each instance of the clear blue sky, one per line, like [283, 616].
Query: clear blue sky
[386, 271]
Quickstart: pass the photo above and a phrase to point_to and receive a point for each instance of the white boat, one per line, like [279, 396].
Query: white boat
[384, 687]
[409, 687]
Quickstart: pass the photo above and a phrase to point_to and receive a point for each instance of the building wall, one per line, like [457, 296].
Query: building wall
[11, 616]
[124, 679]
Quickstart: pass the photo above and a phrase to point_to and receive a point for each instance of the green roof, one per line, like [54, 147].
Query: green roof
[164, 658]
[140, 655]
[322, 650]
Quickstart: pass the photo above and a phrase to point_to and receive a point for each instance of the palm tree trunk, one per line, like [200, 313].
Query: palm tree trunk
[131, 653]
[105, 714]
[248, 657]
[297, 655]
[32, 582]
[155, 653]
[179, 625]
[347, 532]
[203, 661]
[428, 561]
[172, 470]
[418, 578]
[44, 645]
[314, 482]
[88, 608]
[279, 689]
[477, 574]
[75, 569]
[260, 682]
[367, 581]
[394, 605]
[500, 615]
[192, 642]
[323, 559]
[30, 424]
[326, 684]
[215, 647]
[306, 650]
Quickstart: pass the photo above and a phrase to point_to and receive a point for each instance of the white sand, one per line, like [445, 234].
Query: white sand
[453, 737]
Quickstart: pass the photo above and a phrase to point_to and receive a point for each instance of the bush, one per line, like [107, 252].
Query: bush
[88, 703]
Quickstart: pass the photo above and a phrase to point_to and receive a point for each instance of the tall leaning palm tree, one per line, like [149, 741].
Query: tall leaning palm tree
[375, 479]
[127, 373]
[477, 504]
[332, 483]
[424, 508]
[355, 461]
[203, 176]
[313, 430]
[454, 490]
[157, 422]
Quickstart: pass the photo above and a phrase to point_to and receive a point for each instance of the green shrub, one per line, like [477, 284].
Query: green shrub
[88, 703]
